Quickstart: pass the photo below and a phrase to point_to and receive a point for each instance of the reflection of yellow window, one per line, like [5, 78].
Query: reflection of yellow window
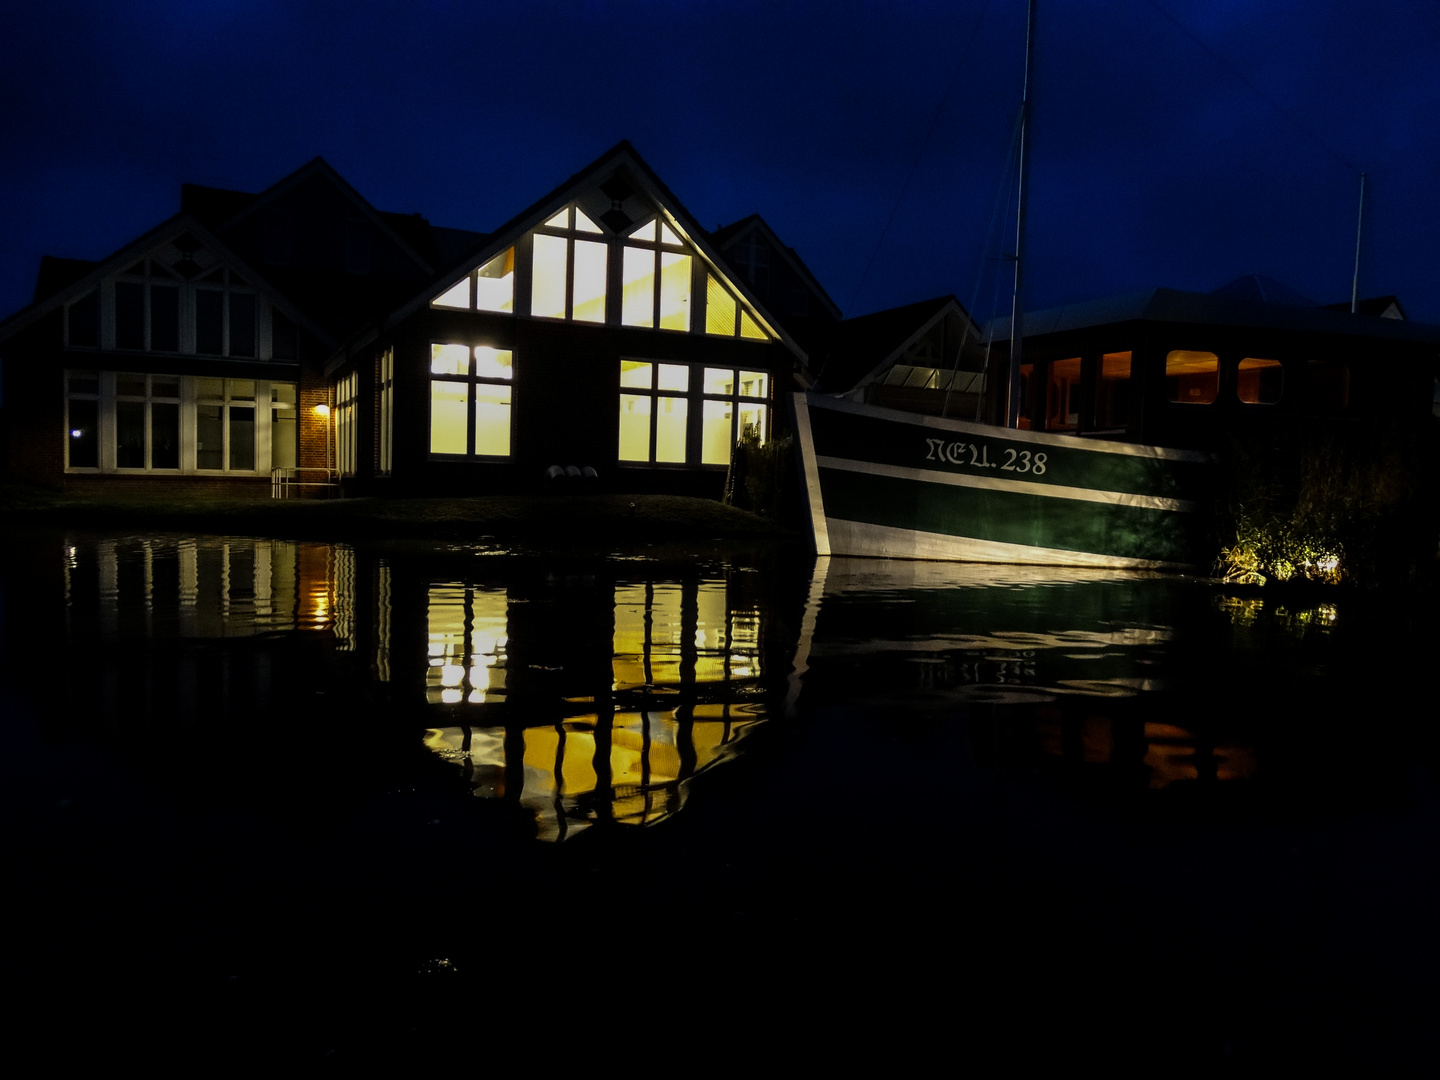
[1259, 382]
[1191, 377]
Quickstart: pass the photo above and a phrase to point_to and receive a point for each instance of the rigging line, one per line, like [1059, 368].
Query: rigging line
[1001, 190]
[934, 123]
[1257, 91]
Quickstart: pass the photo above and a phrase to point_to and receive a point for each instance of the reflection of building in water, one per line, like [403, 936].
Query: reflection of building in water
[1157, 753]
[154, 616]
[582, 719]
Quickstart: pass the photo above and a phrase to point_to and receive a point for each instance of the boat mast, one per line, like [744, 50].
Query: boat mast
[1359, 223]
[1017, 304]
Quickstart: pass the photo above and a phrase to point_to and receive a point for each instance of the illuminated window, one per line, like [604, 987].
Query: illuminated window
[568, 272]
[283, 424]
[725, 316]
[1259, 382]
[1192, 378]
[654, 412]
[490, 288]
[655, 279]
[736, 403]
[470, 398]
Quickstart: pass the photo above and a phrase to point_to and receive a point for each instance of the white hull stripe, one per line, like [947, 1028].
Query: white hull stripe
[884, 542]
[1020, 487]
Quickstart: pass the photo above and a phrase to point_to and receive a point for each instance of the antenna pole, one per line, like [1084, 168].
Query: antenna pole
[1359, 224]
[1017, 303]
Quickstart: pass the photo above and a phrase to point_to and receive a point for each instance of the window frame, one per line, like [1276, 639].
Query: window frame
[469, 380]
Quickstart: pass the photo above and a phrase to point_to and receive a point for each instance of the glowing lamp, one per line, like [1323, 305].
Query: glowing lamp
[322, 411]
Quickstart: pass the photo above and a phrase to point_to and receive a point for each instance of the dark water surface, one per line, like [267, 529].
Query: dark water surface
[272, 802]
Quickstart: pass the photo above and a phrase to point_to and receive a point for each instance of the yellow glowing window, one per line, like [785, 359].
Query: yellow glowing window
[547, 287]
[645, 232]
[654, 426]
[637, 304]
[667, 236]
[727, 415]
[470, 399]
[673, 377]
[589, 305]
[717, 432]
[1191, 377]
[583, 222]
[720, 308]
[634, 427]
[635, 373]
[749, 328]
[674, 291]
[495, 283]
[560, 220]
[448, 419]
[490, 288]
[1259, 382]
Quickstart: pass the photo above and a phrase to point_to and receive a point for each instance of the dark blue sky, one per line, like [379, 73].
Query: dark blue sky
[1176, 142]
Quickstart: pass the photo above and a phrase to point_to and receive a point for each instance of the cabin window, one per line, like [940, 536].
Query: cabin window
[1191, 377]
[1327, 385]
[82, 420]
[1112, 391]
[1259, 382]
[1062, 403]
[147, 422]
[225, 423]
[470, 400]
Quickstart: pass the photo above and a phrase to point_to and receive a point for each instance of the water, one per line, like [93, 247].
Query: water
[334, 796]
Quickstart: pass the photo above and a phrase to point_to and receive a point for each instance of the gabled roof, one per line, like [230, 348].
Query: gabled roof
[736, 231]
[1259, 289]
[395, 226]
[868, 345]
[167, 231]
[1174, 306]
[56, 273]
[620, 157]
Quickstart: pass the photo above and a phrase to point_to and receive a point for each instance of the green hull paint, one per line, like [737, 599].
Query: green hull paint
[1059, 496]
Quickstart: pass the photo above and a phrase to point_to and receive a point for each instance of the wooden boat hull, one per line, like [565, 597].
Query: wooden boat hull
[887, 484]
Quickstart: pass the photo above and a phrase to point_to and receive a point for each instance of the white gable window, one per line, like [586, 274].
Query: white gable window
[180, 299]
[490, 288]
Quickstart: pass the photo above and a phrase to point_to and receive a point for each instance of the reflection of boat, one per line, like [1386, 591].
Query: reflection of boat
[896, 485]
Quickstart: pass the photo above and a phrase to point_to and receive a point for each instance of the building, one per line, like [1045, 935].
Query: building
[301, 335]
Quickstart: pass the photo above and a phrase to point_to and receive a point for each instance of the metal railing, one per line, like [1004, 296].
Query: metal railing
[286, 482]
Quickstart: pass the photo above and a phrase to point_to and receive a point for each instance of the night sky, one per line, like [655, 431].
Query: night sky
[1176, 142]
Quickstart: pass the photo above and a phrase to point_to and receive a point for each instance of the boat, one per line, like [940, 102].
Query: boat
[1093, 439]
[890, 484]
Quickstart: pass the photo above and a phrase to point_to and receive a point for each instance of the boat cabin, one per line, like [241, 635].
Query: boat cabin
[1177, 368]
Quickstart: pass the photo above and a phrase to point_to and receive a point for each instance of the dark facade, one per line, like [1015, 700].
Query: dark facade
[299, 335]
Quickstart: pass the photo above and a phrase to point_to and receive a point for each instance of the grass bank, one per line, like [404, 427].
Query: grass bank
[536, 520]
